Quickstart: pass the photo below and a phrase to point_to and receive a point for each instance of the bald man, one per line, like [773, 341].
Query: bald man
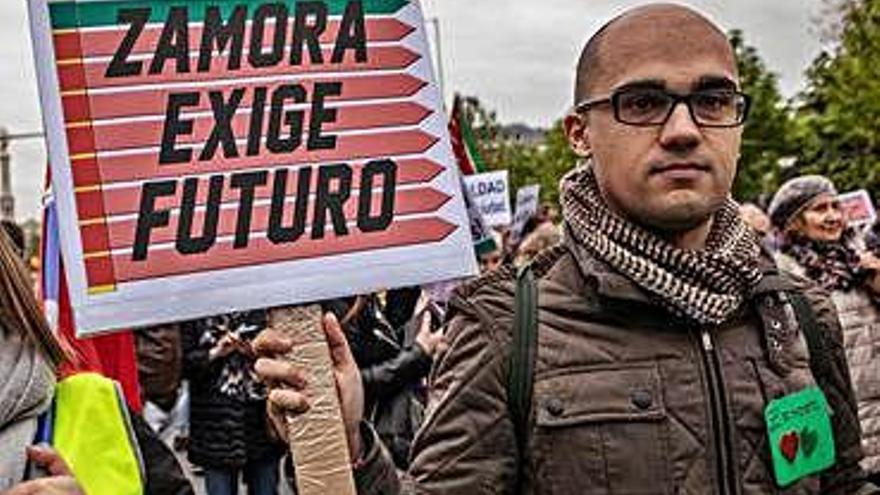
[668, 357]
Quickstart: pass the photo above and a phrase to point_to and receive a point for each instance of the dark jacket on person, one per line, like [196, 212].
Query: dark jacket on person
[627, 398]
[225, 431]
[163, 473]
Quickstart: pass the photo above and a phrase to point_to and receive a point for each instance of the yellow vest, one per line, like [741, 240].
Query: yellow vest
[92, 431]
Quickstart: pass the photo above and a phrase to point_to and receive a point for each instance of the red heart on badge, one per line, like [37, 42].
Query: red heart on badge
[788, 445]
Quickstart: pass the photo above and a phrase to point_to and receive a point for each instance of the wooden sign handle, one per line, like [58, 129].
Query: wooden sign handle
[317, 438]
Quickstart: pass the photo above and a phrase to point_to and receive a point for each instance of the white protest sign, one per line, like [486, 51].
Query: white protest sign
[527, 200]
[858, 208]
[221, 155]
[489, 191]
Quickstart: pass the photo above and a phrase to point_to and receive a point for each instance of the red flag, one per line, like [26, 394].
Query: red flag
[459, 148]
[112, 355]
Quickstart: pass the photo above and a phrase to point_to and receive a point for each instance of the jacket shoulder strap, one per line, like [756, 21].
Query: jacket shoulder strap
[522, 354]
[820, 357]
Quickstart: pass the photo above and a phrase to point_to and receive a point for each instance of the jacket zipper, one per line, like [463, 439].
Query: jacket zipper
[724, 459]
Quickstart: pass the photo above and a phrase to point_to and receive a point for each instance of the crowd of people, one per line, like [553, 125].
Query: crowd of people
[630, 342]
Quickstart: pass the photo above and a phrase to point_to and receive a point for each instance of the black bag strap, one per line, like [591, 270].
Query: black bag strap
[820, 358]
[522, 358]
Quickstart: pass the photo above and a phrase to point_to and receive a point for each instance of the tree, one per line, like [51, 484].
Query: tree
[544, 164]
[768, 130]
[837, 127]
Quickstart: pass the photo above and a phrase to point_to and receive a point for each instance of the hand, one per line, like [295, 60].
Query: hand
[870, 262]
[60, 480]
[288, 387]
[225, 346]
[245, 347]
[431, 342]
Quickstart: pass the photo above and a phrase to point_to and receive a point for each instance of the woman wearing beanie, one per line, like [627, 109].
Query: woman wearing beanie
[816, 244]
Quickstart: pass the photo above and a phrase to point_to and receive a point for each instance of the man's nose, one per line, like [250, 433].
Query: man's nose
[680, 132]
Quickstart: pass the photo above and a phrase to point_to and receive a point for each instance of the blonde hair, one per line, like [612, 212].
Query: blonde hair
[19, 309]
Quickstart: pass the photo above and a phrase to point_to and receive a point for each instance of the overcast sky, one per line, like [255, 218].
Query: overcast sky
[517, 56]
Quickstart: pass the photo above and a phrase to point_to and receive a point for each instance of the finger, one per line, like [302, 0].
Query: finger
[26, 488]
[277, 371]
[49, 459]
[288, 401]
[339, 350]
[270, 342]
[425, 325]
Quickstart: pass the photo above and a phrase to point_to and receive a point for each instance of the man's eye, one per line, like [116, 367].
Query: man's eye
[644, 102]
[714, 101]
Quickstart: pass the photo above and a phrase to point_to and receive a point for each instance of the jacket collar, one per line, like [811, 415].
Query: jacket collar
[607, 281]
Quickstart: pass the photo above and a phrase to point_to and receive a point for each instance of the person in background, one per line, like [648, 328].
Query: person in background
[159, 364]
[753, 215]
[491, 260]
[546, 235]
[817, 244]
[756, 218]
[872, 238]
[229, 435]
[548, 213]
[66, 435]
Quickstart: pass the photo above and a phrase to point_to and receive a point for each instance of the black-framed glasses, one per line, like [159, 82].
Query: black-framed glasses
[653, 106]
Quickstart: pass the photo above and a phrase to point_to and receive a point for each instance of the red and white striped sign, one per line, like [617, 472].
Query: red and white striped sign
[210, 156]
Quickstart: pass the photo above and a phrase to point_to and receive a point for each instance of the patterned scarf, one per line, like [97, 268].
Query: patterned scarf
[833, 265]
[705, 286]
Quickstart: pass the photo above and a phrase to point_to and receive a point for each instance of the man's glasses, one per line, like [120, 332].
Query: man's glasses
[652, 106]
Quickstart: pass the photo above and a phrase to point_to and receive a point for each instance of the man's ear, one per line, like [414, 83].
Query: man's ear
[578, 133]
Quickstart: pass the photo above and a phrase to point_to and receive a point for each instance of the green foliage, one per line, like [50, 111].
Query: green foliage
[838, 125]
[768, 130]
[544, 164]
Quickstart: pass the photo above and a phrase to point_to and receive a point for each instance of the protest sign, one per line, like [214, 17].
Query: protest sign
[219, 155]
[527, 199]
[489, 192]
[858, 208]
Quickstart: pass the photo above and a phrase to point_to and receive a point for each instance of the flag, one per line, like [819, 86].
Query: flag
[112, 355]
[464, 145]
[469, 162]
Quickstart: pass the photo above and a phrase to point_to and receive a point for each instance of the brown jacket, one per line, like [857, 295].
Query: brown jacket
[627, 399]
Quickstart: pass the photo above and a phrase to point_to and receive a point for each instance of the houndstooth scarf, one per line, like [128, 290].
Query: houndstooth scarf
[705, 286]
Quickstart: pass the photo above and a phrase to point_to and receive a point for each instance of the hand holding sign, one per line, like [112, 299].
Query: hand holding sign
[292, 391]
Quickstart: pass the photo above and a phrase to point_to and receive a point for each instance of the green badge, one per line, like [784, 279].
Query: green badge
[801, 440]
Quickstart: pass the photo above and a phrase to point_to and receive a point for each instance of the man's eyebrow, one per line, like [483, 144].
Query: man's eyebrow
[714, 82]
[642, 84]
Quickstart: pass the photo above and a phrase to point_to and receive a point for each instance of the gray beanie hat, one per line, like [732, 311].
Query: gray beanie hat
[795, 195]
